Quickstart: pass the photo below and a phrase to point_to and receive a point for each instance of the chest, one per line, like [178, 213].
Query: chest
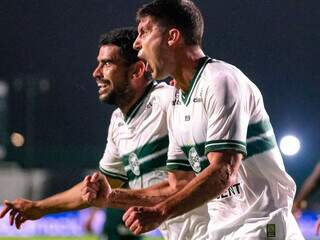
[145, 126]
[189, 118]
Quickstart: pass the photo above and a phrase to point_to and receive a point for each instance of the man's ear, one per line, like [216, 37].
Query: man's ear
[174, 36]
[138, 70]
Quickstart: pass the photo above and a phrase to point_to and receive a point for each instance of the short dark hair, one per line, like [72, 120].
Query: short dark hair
[182, 14]
[123, 38]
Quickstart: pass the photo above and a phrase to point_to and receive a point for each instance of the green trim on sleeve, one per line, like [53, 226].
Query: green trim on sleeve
[113, 175]
[178, 164]
[222, 145]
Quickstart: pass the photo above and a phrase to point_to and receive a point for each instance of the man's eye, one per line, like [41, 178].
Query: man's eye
[142, 33]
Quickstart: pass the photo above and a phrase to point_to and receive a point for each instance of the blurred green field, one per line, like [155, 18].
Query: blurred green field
[64, 238]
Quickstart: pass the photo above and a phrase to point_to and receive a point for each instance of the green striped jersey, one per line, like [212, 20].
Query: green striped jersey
[138, 142]
[223, 110]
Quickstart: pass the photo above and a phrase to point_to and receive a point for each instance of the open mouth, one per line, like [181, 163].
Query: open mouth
[148, 68]
[104, 86]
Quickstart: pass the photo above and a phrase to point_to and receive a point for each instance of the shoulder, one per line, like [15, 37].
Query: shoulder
[163, 88]
[164, 93]
[116, 118]
[227, 84]
[116, 114]
[220, 72]
[221, 75]
[219, 78]
[223, 83]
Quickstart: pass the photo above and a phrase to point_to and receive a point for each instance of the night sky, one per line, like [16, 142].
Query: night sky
[276, 43]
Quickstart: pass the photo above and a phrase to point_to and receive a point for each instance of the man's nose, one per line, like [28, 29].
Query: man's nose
[136, 44]
[96, 72]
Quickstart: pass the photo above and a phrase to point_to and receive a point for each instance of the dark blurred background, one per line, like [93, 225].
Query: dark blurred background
[48, 51]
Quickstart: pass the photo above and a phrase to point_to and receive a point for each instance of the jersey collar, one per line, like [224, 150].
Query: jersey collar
[136, 106]
[199, 69]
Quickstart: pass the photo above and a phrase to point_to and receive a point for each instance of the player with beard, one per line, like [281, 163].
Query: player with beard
[218, 126]
[136, 149]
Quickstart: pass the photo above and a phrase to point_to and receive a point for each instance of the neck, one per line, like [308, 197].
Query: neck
[125, 107]
[138, 88]
[187, 59]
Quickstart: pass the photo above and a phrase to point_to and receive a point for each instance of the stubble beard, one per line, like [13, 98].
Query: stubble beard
[119, 97]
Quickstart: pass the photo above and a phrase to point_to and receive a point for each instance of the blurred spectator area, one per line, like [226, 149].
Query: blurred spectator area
[35, 183]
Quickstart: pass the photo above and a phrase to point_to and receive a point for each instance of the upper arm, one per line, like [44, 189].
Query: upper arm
[228, 115]
[177, 159]
[228, 120]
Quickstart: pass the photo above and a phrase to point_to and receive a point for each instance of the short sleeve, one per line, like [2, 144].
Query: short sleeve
[111, 164]
[166, 95]
[228, 114]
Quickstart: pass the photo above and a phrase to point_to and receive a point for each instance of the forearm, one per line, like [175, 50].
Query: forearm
[161, 189]
[209, 184]
[65, 201]
[125, 198]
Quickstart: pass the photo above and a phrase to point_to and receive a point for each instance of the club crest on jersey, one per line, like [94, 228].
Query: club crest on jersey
[194, 160]
[134, 164]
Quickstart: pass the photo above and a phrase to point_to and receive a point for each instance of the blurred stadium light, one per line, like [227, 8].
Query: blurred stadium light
[289, 145]
[17, 139]
[26, 96]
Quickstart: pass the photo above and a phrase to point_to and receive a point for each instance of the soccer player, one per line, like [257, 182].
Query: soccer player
[218, 126]
[137, 145]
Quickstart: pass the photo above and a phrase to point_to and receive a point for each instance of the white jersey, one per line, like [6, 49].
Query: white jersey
[138, 142]
[137, 149]
[224, 110]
